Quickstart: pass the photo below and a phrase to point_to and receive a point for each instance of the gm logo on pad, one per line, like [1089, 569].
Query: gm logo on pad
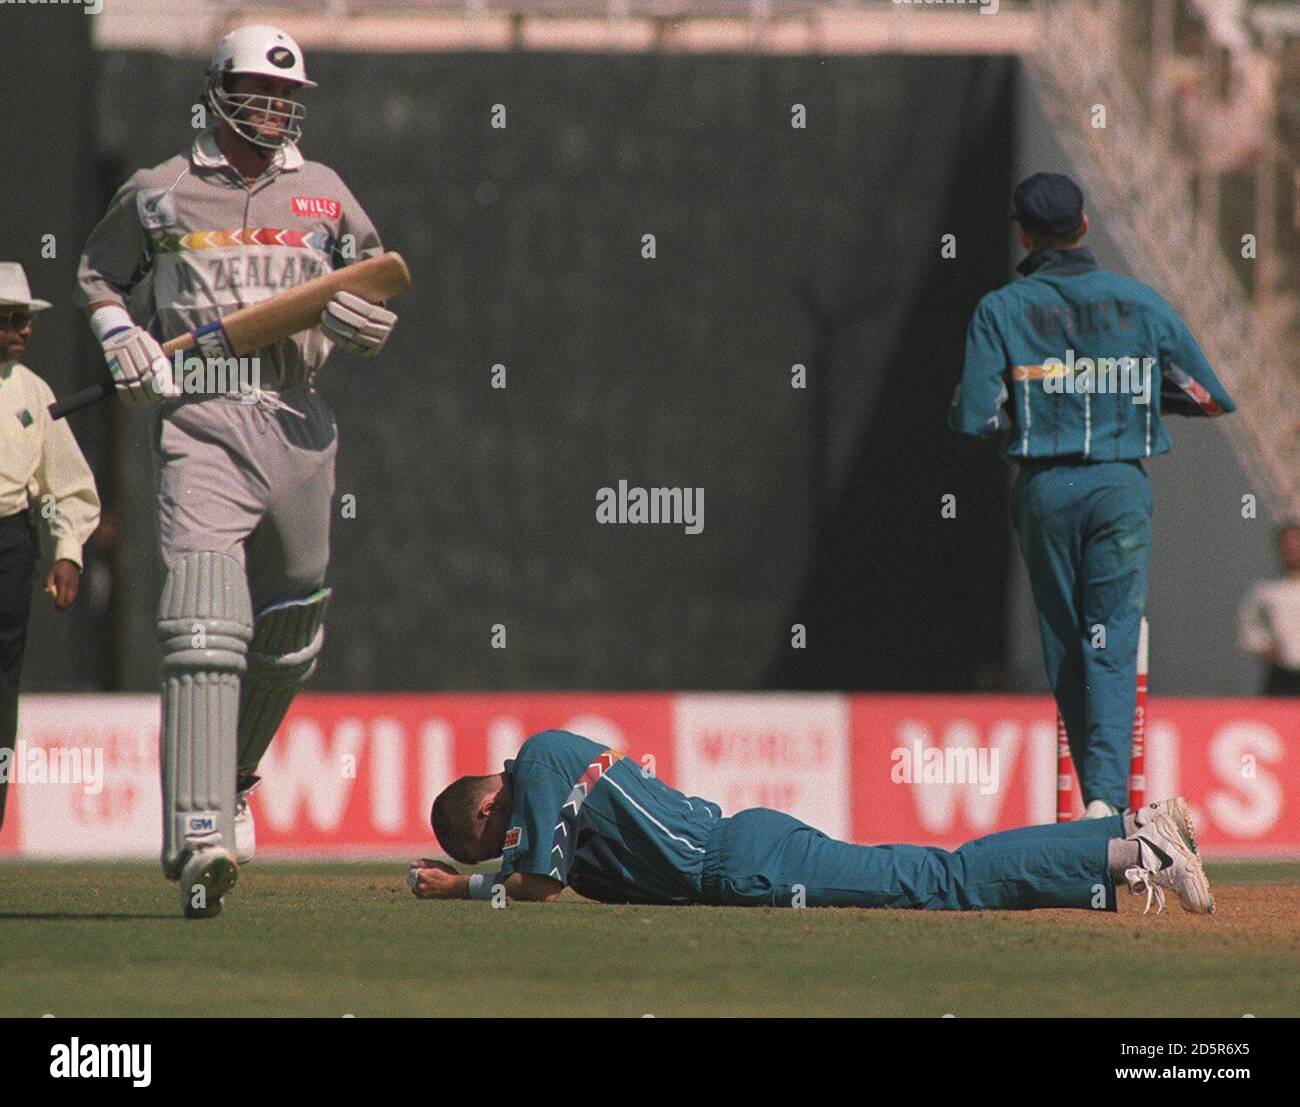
[201, 823]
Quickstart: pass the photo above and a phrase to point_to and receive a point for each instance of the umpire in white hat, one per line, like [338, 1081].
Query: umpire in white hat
[47, 496]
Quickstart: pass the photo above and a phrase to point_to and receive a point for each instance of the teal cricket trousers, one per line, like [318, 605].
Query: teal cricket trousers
[1085, 533]
[761, 858]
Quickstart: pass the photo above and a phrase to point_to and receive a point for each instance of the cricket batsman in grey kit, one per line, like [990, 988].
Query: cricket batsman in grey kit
[245, 478]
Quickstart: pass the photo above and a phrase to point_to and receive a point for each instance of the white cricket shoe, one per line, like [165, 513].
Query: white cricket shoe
[1168, 861]
[1098, 809]
[207, 875]
[245, 830]
[1177, 809]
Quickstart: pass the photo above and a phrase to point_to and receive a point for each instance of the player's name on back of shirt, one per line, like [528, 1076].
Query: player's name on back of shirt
[1106, 316]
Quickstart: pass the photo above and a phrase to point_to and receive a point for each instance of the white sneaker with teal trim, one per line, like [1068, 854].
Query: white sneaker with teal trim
[1177, 809]
[1169, 862]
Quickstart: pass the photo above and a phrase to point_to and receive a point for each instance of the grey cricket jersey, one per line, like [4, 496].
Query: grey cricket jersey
[189, 240]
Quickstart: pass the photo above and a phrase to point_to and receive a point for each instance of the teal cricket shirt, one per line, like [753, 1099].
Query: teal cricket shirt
[588, 817]
[1067, 304]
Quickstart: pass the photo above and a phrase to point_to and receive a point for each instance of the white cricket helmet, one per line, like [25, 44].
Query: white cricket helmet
[264, 51]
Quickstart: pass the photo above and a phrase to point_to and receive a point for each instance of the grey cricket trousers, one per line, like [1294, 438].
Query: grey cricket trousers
[251, 480]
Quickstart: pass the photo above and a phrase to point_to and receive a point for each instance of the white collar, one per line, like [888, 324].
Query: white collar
[207, 154]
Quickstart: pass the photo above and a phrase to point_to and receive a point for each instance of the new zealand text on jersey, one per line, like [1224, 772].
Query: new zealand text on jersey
[271, 271]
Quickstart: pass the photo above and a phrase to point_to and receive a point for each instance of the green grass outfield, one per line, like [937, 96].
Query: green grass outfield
[330, 940]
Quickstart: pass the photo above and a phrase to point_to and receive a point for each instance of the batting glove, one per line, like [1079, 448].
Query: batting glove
[139, 368]
[357, 324]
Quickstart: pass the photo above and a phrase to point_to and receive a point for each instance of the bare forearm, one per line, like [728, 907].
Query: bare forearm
[533, 887]
[437, 880]
[525, 887]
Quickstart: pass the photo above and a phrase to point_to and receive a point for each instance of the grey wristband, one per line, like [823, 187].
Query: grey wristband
[481, 885]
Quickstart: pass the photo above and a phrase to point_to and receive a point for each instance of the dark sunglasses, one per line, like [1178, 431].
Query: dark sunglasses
[17, 320]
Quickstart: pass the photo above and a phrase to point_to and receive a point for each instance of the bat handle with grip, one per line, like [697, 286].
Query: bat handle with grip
[91, 394]
[101, 390]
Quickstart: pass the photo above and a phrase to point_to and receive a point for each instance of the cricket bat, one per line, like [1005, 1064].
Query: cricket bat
[251, 328]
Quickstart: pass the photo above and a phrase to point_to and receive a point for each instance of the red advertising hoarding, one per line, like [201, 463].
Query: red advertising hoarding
[354, 776]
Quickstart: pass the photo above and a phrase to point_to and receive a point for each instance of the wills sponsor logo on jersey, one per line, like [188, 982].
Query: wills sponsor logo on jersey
[512, 837]
[316, 207]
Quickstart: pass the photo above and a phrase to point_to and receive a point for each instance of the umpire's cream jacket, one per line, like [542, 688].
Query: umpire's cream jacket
[42, 467]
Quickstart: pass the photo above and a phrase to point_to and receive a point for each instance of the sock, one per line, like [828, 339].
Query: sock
[1121, 854]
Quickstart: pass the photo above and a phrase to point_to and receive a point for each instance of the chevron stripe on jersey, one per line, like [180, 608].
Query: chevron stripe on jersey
[242, 236]
[562, 847]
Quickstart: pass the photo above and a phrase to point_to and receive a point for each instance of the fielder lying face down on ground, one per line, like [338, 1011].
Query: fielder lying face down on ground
[567, 811]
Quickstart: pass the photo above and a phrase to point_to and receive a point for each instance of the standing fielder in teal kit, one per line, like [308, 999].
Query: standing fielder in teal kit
[567, 811]
[1073, 366]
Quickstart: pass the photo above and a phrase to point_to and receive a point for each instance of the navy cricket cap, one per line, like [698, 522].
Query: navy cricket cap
[1048, 202]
